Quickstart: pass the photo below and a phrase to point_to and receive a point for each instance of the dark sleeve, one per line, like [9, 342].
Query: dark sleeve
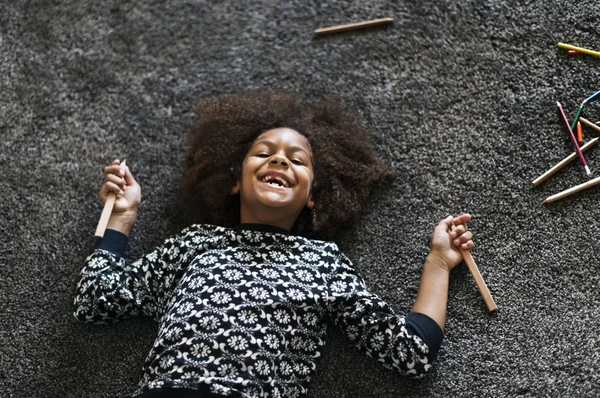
[427, 329]
[114, 242]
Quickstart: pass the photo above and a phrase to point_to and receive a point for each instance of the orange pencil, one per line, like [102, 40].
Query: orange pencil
[579, 133]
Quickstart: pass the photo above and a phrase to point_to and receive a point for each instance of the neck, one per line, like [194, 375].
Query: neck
[267, 217]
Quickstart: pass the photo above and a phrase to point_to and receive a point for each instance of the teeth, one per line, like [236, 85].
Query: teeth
[275, 181]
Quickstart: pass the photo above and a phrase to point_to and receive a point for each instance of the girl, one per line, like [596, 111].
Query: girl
[242, 296]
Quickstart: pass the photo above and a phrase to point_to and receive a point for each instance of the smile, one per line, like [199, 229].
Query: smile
[275, 181]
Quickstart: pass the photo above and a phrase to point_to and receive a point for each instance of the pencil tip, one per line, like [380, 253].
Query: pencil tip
[558, 103]
[544, 201]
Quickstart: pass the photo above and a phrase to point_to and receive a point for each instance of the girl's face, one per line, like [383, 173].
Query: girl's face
[277, 175]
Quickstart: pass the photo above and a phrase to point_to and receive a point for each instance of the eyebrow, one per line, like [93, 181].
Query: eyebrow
[294, 148]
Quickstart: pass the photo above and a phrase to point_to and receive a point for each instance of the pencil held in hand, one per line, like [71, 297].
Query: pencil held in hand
[479, 282]
[106, 212]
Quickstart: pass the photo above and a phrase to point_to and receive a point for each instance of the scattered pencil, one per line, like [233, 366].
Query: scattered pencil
[578, 49]
[577, 115]
[590, 124]
[592, 97]
[106, 212]
[563, 163]
[579, 133]
[352, 26]
[572, 52]
[577, 149]
[479, 282]
[572, 190]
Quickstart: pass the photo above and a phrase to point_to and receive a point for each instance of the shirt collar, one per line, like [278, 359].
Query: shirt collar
[261, 228]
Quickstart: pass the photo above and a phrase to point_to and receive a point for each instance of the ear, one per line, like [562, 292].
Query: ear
[235, 189]
[310, 203]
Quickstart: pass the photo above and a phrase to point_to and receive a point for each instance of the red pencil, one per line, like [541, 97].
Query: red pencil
[577, 149]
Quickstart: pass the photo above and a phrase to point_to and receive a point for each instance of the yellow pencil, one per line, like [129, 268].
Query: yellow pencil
[578, 49]
[352, 26]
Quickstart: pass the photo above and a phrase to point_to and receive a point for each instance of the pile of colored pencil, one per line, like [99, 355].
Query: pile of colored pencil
[576, 124]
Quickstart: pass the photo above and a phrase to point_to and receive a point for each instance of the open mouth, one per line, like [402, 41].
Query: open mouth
[276, 181]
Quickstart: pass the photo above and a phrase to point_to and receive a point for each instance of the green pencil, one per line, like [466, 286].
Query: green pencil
[579, 110]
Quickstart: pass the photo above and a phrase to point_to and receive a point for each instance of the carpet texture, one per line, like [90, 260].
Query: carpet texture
[460, 97]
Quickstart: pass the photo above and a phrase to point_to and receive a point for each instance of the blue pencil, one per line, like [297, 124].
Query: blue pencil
[592, 97]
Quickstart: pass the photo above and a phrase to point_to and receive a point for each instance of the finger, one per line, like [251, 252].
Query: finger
[114, 169]
[462, 219]
[116, 180]
[468, 245]
[458, 230]
[462, 239]
[129, 180]
[111, 187]
[444, 225]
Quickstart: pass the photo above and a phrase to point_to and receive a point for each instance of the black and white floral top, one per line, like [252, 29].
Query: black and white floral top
[242, 311]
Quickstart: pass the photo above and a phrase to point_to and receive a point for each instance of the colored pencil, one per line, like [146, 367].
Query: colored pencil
[352, 26]
[479, 282]
[578, 49]
[106, 212]
[562, 112]
[577, 115]
[590, 124]
[563, 163]
[572, 190]
[579, 133]
[592, 97]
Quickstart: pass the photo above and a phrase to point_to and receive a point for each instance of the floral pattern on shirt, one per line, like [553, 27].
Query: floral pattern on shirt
[244, 311]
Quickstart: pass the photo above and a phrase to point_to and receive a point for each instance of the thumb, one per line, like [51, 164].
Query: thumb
[445, 224]
[129, 180]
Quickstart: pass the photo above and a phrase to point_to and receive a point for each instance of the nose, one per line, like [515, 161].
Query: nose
[280, 160]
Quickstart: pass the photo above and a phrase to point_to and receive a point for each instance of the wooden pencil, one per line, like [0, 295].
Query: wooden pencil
[352, 26]
[590, 124]
[572, 190]
[563, 163]
[106, 212]
[479, 282]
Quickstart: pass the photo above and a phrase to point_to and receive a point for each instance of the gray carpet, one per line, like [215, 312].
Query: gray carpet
[460, 96]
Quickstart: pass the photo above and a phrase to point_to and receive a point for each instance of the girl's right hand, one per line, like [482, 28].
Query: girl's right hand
[448, 238]
[119, 181]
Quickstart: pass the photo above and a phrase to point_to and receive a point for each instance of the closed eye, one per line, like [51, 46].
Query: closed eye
[262, 155]
[298, 162]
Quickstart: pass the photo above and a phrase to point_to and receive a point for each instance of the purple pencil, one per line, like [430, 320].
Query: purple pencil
[583, 162]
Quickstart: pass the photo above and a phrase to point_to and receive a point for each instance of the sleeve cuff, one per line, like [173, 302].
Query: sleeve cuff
[428, 330]
[114, 242]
